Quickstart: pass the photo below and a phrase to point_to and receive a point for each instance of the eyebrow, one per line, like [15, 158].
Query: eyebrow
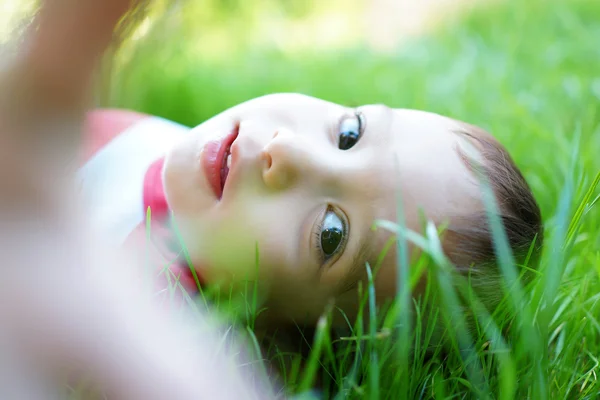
[357, 269]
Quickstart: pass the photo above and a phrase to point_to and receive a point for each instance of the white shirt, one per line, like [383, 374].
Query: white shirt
[111, 181]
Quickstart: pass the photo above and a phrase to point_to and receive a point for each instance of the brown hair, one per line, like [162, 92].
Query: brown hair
[468, 241]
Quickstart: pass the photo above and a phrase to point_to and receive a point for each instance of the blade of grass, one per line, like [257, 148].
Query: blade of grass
[188, 260]
[502, 351]
[584, 206]
[522, 310]
[258, 354]
[350, 381]
[147, 268]
[373, 357]
[555, 267]
[451, 305]
[403, 295]
[320, 339]
[454, 313]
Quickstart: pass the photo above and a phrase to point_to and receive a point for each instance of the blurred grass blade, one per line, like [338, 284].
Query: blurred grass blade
[314, 361]
[351, 379]
[406, 233]
[403, 294]
[373, 359]
[556, 264]
[455, 315]
[583, 208]
[450, 304]
[507, 372]
[521, 308]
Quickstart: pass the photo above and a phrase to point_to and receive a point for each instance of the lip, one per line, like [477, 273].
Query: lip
[213, 160]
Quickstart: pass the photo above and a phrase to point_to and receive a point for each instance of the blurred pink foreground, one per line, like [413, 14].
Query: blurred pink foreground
[66, 303]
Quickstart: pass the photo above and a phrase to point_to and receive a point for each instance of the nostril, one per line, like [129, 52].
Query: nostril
[267, 159]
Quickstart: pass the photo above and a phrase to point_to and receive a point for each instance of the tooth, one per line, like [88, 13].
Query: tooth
[229, 161]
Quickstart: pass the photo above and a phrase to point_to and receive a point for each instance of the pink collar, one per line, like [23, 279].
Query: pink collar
[154, 193]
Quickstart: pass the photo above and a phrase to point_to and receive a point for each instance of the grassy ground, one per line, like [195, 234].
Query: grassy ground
[528, 71]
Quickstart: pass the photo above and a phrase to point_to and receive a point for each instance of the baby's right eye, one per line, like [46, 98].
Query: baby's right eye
[350, 130]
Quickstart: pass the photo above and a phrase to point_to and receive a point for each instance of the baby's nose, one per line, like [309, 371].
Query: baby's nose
[288, 158]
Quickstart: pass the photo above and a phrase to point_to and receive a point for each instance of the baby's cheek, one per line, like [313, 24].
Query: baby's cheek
[227, 256]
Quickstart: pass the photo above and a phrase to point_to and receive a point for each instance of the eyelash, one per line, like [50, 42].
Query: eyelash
[361, 121]
[317, 237]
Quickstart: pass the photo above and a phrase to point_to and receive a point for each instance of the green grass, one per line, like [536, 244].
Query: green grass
[529, 72]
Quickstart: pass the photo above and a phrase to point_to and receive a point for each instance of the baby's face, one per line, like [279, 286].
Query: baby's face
[307, 180]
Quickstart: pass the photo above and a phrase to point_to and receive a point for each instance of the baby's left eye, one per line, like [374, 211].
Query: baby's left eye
[332, 234]
[350, 130]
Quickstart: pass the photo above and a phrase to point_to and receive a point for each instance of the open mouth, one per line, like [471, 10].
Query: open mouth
[217, 161]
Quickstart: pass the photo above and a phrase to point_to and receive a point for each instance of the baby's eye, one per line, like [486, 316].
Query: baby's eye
[350, 130]
[332, 234]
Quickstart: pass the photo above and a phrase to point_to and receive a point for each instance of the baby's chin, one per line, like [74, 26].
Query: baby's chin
[220, 255]
[240, 287]
[185, 186]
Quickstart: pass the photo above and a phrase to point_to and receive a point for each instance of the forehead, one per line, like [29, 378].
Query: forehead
[426, 153]
[286, 106]
[426, 172]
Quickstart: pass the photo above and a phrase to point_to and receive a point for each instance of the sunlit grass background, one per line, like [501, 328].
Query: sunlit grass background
[526, 70]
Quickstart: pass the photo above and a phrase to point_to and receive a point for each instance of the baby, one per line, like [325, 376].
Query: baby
[283, 190]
